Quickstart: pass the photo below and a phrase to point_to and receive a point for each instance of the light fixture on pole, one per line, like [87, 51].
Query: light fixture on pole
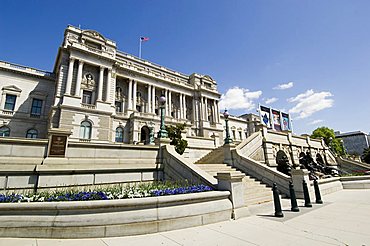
[162, 133]
[228, 140]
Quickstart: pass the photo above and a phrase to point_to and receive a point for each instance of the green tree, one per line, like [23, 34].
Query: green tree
[366, 155]
[329, 138]
[174, 133]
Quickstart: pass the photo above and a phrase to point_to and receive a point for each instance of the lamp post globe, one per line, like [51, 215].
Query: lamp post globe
[227, 140]
[162, 133]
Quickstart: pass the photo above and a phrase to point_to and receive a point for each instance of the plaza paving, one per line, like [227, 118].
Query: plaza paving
[343, 219]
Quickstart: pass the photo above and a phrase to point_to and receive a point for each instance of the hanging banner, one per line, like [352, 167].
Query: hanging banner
[286, 122]
[265, 116]
[276, 118]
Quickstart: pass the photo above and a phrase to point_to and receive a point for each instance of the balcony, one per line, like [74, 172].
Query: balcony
[7, 112]
[88, 106]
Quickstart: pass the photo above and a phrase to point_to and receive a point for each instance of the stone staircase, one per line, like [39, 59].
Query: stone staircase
[255, 192]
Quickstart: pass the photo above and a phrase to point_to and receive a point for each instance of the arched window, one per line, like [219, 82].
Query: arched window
[119, 134]
[4, 131]
[32, 133]
[85, 130]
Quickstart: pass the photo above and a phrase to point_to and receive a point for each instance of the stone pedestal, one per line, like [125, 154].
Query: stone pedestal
[228, 158]
[298, 175]
[162, 141]
[233, 183]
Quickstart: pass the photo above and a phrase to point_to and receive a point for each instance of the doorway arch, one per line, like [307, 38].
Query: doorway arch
[144, 135]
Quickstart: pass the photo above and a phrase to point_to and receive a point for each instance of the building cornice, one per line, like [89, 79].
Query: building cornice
[15, 68]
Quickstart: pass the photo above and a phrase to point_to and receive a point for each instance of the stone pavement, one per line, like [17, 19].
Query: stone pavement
[343, 219]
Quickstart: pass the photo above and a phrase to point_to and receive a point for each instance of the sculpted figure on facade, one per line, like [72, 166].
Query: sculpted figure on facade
[88, 82]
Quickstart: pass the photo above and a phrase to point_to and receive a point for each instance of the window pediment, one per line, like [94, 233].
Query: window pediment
[12, 88]
[39, 94]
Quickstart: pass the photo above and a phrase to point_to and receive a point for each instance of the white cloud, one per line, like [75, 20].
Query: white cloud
[271, 100]
[310, 102]
[284, 86]
[315, 122]
[239, 98]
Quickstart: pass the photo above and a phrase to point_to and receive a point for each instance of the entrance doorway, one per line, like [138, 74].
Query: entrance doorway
[144, 135]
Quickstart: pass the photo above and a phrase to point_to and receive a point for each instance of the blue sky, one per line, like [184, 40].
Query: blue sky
[317, 51]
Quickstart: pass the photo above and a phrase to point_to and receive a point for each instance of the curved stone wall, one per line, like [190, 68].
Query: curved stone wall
[113, 217]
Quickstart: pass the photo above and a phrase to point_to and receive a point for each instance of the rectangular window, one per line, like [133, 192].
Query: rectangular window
[86, 97]
[36, 107]
[10, 102]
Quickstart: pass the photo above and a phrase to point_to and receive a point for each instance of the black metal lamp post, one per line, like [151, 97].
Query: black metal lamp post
[162, 133]
[228, 140]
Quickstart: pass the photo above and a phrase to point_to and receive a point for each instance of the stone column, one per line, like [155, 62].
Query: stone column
[153, 99]
[206, 109]
[69, 77]
[100, 85]
[134, 96]
[180, 98]
[184, 104]
[129, 96]
[149, 99]
[218, 113]
[166, 95]
[214, 113]
[169, 102]
[109, 78]
[79, 78]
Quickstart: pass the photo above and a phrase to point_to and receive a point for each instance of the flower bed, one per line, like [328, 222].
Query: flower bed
[106, 193]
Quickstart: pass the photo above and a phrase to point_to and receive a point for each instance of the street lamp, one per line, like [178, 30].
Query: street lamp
[228, 140]
[162, 133]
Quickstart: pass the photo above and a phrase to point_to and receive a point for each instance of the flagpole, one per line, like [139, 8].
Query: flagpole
[140, 47]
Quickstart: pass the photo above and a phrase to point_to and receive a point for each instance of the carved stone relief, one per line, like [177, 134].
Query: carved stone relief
[88, 82]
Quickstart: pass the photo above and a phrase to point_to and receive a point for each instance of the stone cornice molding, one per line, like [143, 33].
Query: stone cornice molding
[19, 69]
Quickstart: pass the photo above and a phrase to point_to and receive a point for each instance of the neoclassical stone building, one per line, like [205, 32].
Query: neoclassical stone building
[103, 95]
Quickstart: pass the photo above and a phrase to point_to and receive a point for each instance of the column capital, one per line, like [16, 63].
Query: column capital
[81, 62]
[72, 59]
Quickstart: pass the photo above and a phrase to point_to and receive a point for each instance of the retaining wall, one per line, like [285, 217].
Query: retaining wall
[113, 218]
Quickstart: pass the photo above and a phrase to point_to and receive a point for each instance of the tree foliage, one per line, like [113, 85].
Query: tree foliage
[366, 155]
[329, 138]
[174, 133]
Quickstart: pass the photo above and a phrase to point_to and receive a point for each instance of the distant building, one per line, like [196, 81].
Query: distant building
[354, 142]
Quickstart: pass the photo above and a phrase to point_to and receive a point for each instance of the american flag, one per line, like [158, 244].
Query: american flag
[143, 39]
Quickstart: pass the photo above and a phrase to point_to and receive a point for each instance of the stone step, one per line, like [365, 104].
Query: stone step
[258, 200]
[212, 165]
[256, 189]
[248, 179]
[257, 194]
[219, 169]
[214, 173]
